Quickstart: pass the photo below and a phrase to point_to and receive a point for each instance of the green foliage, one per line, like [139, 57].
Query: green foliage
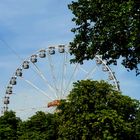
[8, 126]
[138, 125]
[95, 110]
[41, 126]
[108, 28]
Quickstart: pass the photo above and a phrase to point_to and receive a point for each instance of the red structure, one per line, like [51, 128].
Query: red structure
[54, 103]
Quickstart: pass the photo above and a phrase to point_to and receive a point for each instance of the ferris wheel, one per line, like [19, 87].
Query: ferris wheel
[47, 76]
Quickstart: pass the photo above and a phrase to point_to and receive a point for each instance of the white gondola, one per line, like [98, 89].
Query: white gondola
[110, 76]
[13, 81]
[118, 85]
[104, 68]
[4, 109]
[33, 58]
[61, 48]
[98, 61]
[18, 72]
[25, 65]
[6, 100]
[9, 90]
[42, 53]
[51, 77]
[51, 50]
[70, 50]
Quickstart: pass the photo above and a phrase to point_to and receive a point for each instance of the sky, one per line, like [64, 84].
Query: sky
[29, 25]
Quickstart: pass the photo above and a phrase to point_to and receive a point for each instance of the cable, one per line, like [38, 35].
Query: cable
[10, 48]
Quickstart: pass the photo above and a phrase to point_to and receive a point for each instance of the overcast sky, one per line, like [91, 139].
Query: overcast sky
[28, 25]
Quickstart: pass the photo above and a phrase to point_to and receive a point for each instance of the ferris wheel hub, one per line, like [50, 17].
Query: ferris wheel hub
[54, 103]
[48, 72]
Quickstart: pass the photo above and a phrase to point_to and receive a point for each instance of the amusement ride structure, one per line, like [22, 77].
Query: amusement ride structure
[47, 76]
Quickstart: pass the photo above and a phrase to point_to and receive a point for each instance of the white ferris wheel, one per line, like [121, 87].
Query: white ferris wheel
[47, 76]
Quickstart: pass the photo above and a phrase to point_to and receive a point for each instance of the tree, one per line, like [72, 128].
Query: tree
[8, 126]
[95, 110]
[108, 28]
[41, 126]
[137, 126]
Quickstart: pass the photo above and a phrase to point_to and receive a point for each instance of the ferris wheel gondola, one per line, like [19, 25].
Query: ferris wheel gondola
[47, 76]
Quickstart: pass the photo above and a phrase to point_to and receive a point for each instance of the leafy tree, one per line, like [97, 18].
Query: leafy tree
[108, 28]
[41, 126]
[138, 125]
[96, 111]
[8, 126]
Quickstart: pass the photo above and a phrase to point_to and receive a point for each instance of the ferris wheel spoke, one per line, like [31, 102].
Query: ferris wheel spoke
[36, 87]
[57, 78]
[63, 80]
[34, 109]
[88, 73]
[53, 75]
[40, 73]
[71, 79]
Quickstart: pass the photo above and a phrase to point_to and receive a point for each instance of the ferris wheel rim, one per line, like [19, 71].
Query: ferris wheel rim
[28, 59]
